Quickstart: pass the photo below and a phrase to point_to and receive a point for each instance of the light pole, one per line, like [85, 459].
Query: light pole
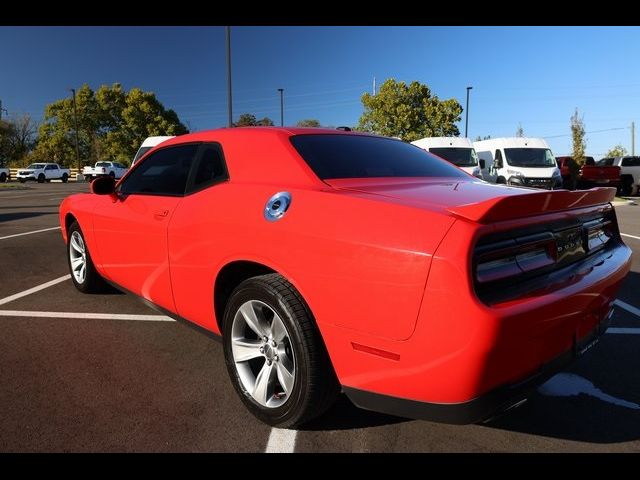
[281, 90]
[229, 77]
[466, 120]
[75, 121]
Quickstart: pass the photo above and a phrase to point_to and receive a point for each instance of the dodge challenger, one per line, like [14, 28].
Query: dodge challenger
[331, 261]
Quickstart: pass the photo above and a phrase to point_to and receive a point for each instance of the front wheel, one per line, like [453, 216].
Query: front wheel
[41, 178]
[275, 356]
[21, 180]
[83, 273]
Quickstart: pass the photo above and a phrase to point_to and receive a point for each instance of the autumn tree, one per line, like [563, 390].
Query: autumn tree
[17, 138]
[577, 135]
[617, 151]
[112, 123]
[409, 112]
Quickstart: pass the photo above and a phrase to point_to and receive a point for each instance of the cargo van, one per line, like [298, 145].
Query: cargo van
[147, 145]
[456, 150]
[519, 161]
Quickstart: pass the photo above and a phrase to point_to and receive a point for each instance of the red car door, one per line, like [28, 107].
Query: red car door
[131, 232]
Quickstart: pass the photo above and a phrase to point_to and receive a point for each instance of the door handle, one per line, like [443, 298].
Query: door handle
[160, 214]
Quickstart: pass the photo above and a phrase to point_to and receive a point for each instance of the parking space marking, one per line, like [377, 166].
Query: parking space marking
[630, 236]
[90, 316]
[35, 289]
[627, 307]
[29, 233]
[625, 331]
[281, 441]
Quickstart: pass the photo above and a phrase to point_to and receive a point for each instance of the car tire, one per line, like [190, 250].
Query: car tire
[65, 178]
[78, 256]
[112, 174]
[21, 180]
[3, 177]
[41, 178]
[287, 380]
[626, 189]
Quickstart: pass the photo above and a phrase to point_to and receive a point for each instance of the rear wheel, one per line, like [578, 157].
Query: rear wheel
[65, 178]
[21, 180]
[83, 273]
[3, 177]
[274, 353]
[41, 178]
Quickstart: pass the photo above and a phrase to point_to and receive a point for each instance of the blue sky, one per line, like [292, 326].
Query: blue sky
[535, 76]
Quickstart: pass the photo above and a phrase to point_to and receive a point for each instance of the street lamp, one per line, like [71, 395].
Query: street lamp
[466, 121]
[281, 90]
[75, 120]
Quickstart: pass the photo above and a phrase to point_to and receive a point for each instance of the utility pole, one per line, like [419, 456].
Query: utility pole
[466, 121]
[75, 119]
[281, 90]
[374, 86]
[633, 138]
[229, 98]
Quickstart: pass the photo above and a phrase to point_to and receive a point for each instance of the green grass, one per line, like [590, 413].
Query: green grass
[13, 186]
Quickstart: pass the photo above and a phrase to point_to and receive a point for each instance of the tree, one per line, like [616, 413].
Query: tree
[250, 120]
[479, 138]
[520, 131]
[310, 122]
[577, 134]
[617, 151]
[112, 123]
[17, 138]
[409, 112]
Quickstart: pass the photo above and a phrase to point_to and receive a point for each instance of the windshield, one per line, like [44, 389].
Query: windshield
[605, 162]
[36, 166]
[102, 164]
[140, 153]
[461, 157]
[360, 156]
[530, 157]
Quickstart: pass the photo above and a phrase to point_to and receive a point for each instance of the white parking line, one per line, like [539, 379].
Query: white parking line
[281, 441]
[630, 236]
[91, 316]
[627, 307]
[24, 293]
[29, 233]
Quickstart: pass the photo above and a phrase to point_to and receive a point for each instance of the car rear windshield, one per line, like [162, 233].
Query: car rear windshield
[359, 156]
[530, 157]
[461, 157]
[102, 164]
[140, 153]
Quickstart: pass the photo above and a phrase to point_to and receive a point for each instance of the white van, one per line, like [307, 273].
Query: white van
[147, 145]
[519, 161]
[456, 150]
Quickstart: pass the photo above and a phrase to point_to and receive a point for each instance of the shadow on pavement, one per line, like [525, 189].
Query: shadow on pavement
[344, 415]
[7, 217]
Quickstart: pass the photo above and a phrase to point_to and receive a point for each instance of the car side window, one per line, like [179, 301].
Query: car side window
[163, 173]
[499, 157]
[210, 168]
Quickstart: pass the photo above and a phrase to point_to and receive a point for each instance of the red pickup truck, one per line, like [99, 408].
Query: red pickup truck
[590, 175]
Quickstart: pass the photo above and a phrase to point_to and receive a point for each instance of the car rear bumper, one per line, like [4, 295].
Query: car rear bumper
[486, 406]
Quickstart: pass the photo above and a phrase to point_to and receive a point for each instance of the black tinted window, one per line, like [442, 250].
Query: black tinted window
[630, 162]
[163, 173]
[359, 156]
[211, 168]
[605, 161]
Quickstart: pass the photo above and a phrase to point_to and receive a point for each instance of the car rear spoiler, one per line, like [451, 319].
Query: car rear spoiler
[527, 204]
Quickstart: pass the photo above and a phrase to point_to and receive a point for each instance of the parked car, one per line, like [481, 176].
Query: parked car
[113, 169]
[147, 145]
[456, 150]
[5, 173]
[588, 175]
[331, 260]
[42, 172]
[629, 172]
[519, 161]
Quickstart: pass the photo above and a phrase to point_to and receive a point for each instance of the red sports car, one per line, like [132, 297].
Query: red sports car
[336, 261]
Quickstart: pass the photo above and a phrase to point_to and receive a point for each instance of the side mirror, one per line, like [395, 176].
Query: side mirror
[103, 185]
[497, 164]
[482, 164]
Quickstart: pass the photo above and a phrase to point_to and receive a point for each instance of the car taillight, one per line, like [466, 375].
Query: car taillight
[598, 233]
[513, 257]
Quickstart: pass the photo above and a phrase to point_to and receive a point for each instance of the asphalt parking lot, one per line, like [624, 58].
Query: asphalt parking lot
[106, 373]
